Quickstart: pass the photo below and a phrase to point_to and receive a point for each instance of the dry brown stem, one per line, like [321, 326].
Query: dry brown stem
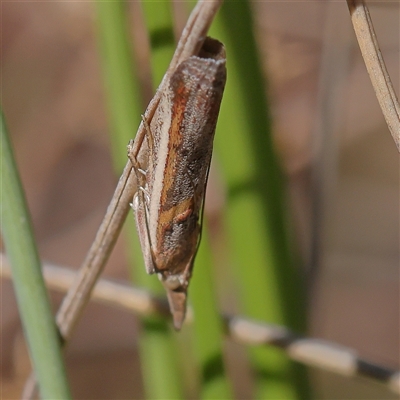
[376, 67]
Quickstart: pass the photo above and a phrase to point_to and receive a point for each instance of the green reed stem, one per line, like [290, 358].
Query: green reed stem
[35, 310]
[256, 213]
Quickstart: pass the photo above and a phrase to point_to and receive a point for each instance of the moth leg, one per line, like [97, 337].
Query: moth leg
[135, 145]
[146, 194]
[139, 171]
[140, 205]
[150, 143]
[149, 136]
[143, 195]
[142, 171]
[141, 200]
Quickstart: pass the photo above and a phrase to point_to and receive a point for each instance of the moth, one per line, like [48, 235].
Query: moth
[172, 173]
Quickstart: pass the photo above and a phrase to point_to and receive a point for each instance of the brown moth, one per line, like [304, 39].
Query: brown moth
[171, 188]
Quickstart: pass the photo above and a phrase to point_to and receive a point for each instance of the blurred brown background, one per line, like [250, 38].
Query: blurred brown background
[53, 100]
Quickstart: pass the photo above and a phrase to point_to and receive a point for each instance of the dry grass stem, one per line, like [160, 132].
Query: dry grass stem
[79, 293]
[312, 352]
[376, 67]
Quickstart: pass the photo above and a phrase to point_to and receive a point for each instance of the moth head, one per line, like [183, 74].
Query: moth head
[173, 282]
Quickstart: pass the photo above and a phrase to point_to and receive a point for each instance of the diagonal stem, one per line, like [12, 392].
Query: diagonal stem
[79, 293]
[376, 67]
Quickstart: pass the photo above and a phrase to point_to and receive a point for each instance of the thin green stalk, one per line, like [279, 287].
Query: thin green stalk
[161, 375]
[158, 18]
[208, 330]
[270, 288]
[33, 302]
[123, 91]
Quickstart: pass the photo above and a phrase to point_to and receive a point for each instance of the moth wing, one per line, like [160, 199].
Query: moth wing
[177, 298]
